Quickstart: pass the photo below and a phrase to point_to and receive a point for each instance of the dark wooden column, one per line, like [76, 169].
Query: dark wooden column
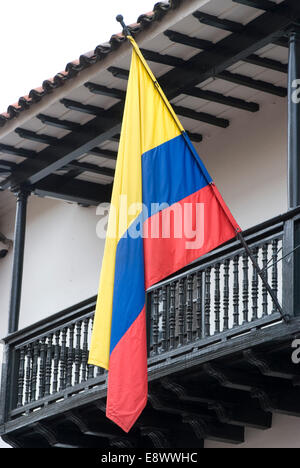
[294, 120]
[292, 239]
[18, 259]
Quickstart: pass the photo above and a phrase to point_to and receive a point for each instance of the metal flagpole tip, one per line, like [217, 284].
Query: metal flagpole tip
[120, 19]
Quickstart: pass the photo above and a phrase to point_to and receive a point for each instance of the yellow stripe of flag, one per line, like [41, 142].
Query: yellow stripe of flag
[147, 123]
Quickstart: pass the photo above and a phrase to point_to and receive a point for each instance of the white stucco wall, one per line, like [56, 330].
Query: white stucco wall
[248, 161]
[62, 259]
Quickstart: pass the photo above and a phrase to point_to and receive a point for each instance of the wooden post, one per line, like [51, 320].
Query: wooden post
[294, 120]
[18, 260]
[292, 263]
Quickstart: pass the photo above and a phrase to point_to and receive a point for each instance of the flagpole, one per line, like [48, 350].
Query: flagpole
[126, 31]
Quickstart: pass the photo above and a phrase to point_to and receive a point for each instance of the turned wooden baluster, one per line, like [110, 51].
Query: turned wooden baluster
[226, 294]
[181, 313]
[155, 319]
[21, 377]
[245, 288]
[48, 365]
[164, 320]
[255, 288]
[85, 349]
[34, 370]
[77, 352]
[236, 291]
[91, 368]
[28, 373]
[70, 356]
[189, 309]
[42, 368]
[275, 270]
[63, 359]
[207, 302]
[264, 289]
[199, 324]
[91, 371]
[56, 361]
[172, 316]
[217, 298]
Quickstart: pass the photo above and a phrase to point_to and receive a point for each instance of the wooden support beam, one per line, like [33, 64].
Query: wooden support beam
[68, 125]
[222, 99]
[271, 367]
[163, 402]
[158, 438]
[268, 63]
[86, 108]
[278, 402]
[195, 137]
[234, 379]
[282, 42]
[21, 152]
[243, 414]
[122, 443]
[105, 91]
[86, 167]
[164, 59]
[265, 5]
[219, 23]
[217, 432]
[201, 117]
[59, 123]
[259, 85]
[7, 165]
[64, 439]
[103, 153]
[102, 431]
[37, 137]
[184, 39]
[77, 191]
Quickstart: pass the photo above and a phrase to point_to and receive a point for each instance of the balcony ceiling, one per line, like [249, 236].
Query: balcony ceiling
[237, 59]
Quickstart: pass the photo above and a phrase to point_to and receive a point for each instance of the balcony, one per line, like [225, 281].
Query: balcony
[219, 357]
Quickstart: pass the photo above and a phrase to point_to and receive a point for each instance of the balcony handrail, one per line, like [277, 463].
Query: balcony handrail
[56, 320]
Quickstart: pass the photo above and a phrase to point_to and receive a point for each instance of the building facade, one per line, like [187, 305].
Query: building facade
[243, 118]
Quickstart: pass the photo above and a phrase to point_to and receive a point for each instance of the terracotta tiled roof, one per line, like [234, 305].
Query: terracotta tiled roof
[86, 60]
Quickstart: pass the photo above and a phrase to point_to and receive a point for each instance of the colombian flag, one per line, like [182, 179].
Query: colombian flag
[158, 167]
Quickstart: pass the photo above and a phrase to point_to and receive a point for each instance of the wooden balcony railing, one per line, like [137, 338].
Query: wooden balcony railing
[213, 301]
